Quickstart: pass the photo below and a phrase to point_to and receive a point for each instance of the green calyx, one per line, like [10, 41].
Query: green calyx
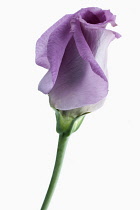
[66, 124]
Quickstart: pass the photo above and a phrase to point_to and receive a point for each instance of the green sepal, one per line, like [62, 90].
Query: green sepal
[66, 124]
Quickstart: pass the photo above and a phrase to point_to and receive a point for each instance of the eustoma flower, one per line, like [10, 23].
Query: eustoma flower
[74, 50]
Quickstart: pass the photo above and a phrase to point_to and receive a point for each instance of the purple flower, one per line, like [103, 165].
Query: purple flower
[74, 50]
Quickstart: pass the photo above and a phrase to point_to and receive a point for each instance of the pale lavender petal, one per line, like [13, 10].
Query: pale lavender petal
[76, 85]
[106, 37]
[42, 42]
[98, 41]
[46, 83]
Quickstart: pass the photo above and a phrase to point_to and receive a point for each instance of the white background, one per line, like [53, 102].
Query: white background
[101, 169]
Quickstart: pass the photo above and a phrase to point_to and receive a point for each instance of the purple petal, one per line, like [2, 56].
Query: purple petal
[96, 17]
[54, 51]
[76, 85]
[42, 42]
[57, 43]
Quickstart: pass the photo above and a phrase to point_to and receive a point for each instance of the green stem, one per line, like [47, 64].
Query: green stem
[63, 139]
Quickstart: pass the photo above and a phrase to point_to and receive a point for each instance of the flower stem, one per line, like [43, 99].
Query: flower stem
[63, 139]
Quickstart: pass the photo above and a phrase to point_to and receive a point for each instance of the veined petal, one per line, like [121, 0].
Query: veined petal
[57, 43]
[77, 85]
[54, 51]
[42, 42]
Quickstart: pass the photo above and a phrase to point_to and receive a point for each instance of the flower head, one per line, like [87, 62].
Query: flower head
[74, 50]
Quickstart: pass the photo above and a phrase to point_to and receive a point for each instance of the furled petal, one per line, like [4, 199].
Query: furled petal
[85, 51]
[54, 51]
[77, 85]
[96, 17]
[57, 43]
[92, 26]
[42, 42]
